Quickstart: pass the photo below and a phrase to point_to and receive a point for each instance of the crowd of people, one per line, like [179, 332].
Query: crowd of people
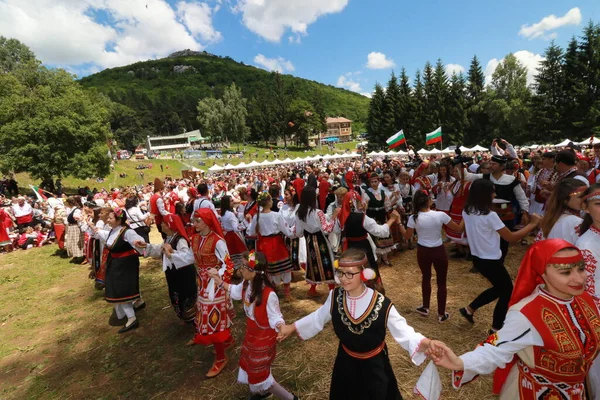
[338, 222]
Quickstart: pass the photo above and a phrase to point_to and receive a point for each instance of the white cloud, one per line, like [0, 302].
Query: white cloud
[346, 82]
[270, 19]
[376, 60]
[528, 59]
[198, 19]
[549, 23]
[366, 94]
[454, 69]
[278, 64]
[66, 33]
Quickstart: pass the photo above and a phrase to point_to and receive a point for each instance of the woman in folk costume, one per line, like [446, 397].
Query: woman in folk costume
[269, 228]
[215, 310]
[250, 210]
[5, 220]
[219, 192]
[441, 190]
[562, 217]
[99, 267]
[179, 271]
[361, 318]
[233, 235]
[90, 245]
[375, 198]
[60, 217]
[356, 227]
[74, 238]
[263, 320]
[395, 203]
[551, 335]
[420, 179]
[589, 243]
[122, 267]
[297, 246]
[311, 223]
[459, 191]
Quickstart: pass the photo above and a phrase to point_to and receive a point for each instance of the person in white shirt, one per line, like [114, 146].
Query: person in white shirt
[484, 230]
[428, 224]
[203, 200]
[563, 212]
[233, 232]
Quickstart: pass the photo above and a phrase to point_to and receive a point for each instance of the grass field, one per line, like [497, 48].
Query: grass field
[57, 343]
[171, 167]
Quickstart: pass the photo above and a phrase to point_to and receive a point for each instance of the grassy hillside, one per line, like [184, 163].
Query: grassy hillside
[177, 83]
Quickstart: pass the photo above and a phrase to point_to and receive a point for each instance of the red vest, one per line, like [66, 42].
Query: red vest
[154, 209]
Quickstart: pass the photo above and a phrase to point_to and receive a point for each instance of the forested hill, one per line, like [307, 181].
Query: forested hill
[164, 93]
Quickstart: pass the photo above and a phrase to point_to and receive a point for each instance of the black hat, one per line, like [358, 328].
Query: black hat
[499, 159]
[566, 157]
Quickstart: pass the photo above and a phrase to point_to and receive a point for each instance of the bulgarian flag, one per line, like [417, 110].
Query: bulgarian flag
[39, 193]
[396, 140]
[434, 137]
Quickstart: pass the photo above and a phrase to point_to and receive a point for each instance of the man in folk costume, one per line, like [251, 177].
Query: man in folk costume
[508, 189]
[323, 191]
[551, 335]
[178, 266]
[23, 213]
[157, 205]
[374, 197]
[215, 310]
[544, 183]
[566, 165]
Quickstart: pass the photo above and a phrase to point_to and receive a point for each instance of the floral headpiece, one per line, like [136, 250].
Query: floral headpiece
[252, 263]
[263, 196]
[118, 212]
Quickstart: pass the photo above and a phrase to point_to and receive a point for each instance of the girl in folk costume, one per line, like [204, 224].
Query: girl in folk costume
[74, 238]
[215, 311]
[356, 227]
[311, 223]
[589, 243]
[268, 227]
[361, 318]
[406, 191]
[218, 194]
[394, 199]
[249, 212]
[179, 271]
[551, 335]
[563, 212]
[297, 246]
[484, 229]
[428, 225]
[60, 218]
[99, 267]
[232, 229]
[90, 245]
[420, 179]
[263, 321]
[376, 209]
[441, 190]
[5, 223]
[122, 267]
[459, 192]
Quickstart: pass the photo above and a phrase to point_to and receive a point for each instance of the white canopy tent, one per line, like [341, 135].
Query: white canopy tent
[463, 148]
[266, 163]
[216, 168]
[586, 142]
[447, 150]
[563, 143]
[479, 148]
[229, 166]
[253, 164]
[423, 152]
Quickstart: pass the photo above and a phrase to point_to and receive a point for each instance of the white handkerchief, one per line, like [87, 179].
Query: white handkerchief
[211, 289]
[429, 385]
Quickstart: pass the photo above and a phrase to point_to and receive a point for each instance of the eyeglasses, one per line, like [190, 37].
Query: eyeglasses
[347, 275]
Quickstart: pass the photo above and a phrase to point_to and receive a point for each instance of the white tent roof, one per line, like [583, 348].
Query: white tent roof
[479, 148]
[435, 151]
[277, 161]
[298, 159]
[423, 151]
[230, 166]
[447, 150]
[266, 162]
[287, 161]
[242, 165]
[463, 148]
[586, 142]
[254, 163]
[563, 143]
[216, 168]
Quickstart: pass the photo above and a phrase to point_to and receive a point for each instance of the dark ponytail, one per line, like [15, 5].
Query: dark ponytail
[420, 202]
[261, 280]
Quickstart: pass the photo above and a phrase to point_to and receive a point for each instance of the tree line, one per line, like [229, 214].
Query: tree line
[562, 102]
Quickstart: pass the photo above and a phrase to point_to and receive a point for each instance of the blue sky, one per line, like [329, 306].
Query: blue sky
[349, 43]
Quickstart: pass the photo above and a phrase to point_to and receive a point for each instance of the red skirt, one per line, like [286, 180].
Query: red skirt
[258, 352]
[59, 230]
[235, 244]
[276, 253]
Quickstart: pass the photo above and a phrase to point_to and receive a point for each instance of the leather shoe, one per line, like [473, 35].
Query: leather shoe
[217, 367]
[134, 325]
[140, 307]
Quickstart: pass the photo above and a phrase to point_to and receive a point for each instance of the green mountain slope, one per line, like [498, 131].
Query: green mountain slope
[164, 93]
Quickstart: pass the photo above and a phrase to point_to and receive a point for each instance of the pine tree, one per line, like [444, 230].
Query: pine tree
[375, 119]
[419, 115]
[456, 111]
[393, 105]
[589, 99]
[478, 120]
[476, 79]
[430, 114]
[548, 97]
[440, 94]
[573, 88]
[406, 104]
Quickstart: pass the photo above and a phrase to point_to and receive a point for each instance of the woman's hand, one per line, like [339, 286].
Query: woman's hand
[285, 331]
[140, 243]
[167, 249]
[444, 357]
[214, 274]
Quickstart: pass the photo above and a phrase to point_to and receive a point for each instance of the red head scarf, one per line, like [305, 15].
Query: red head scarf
[208, 216]
[349, 177]
[532, 268]
[192, 192]
[418, 172]
[175, 224]
[347, 205]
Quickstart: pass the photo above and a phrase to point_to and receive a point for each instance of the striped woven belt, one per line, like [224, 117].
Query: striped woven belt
[124, 254]
[367, 355]
[356, 239]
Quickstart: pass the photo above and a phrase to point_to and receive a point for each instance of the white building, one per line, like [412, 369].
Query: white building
[176, 142]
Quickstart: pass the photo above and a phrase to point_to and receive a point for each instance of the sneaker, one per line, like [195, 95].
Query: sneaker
[466, 315]
[423, 311]
[443, 318]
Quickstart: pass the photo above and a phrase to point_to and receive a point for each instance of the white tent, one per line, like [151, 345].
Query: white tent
[266, 162]
[298, 159]
[463, 148]
[586, 142]
[435, 151]
[242, 165]
[287, 161]
[479, 148]
[253, 164]
[423, 152]
[373, 153]
[447, 150]
[229, 166]
[216, 168]
[563, 143]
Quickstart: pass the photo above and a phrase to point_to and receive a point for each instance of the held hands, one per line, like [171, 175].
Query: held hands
[533, 219]
[285, 331]
[214, 274]
[167, 249]
[140, 243]
[443, 356]
[395, 215]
